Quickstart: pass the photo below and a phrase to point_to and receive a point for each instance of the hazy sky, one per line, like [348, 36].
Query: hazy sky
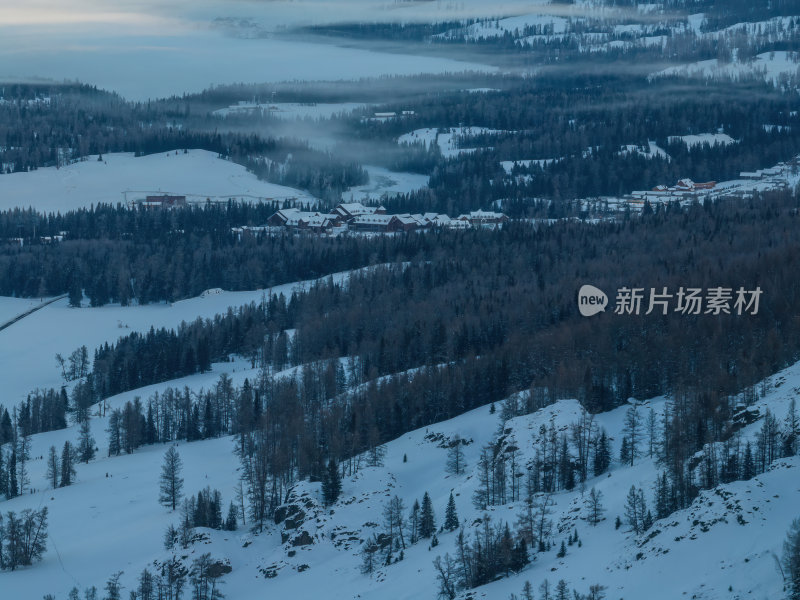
[146, 48]
[149, 48]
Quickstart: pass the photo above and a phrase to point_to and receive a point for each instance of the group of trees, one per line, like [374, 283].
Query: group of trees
[458, 325]
[170, 580]
[581, 125]
[126, 256]
[77, 121]
[42, 410]
[560, 461]
[693, 458]
[431, 339]
[61, 471]
[494, 551]
[23, 538]
[401, 530]
[14, 476]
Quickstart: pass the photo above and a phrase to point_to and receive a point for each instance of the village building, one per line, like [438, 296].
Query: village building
[347, 211]
[162, 201]
[373, 222]
[294, 218]
[356, 217]
[478, 218]
[687, 185]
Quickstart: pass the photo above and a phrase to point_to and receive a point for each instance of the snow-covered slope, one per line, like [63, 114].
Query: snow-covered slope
[28, 347]
[110, 520]
[197, 174]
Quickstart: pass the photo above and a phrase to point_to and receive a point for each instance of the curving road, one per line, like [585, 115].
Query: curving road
[21, 316]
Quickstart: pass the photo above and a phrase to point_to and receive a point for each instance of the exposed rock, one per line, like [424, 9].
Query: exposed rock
[302, 539]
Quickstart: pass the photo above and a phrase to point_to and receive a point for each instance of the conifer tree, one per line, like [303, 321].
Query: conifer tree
[331, 483]
[602, 454]
[231, 520]
[450, 514]
[52, 467]
[86, 442]
[13, 489]
[67, 465]
[427, 525]
[413, 522]
[171, 481]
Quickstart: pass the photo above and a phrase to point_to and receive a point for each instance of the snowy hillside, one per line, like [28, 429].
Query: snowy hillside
[110, 519]
[24, 366]
[199, 175]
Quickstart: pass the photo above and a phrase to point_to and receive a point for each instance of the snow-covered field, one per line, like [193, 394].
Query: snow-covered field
[511, 25]
[712, 139]
[447, 138]
[770, 66]
[110, 520]
[198, 175]
[652, 150]
[292, 110]
[28, 347]
[383, 181]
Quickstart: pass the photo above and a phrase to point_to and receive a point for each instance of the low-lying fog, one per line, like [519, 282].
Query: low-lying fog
[146, 49]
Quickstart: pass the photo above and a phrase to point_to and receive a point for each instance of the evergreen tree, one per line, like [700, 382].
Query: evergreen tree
[413, 522]
[331, 483]
[52, 467]
[662, 496]
[22, 456]
[231, 520]
[602, 454]
[13, 488]
[114, 433]
[86, 449]
[427, 525]
[67, 465]
[450, 514]
[171, 482]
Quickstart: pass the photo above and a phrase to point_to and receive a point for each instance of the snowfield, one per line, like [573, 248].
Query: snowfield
[448, 138]
[198, 175]
[24, 366]
[712, 139]
[772, 67]
[383, 181]
[288, 111]
[110, 520]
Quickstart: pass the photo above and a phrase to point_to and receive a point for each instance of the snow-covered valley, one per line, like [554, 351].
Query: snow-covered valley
[109, 520]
